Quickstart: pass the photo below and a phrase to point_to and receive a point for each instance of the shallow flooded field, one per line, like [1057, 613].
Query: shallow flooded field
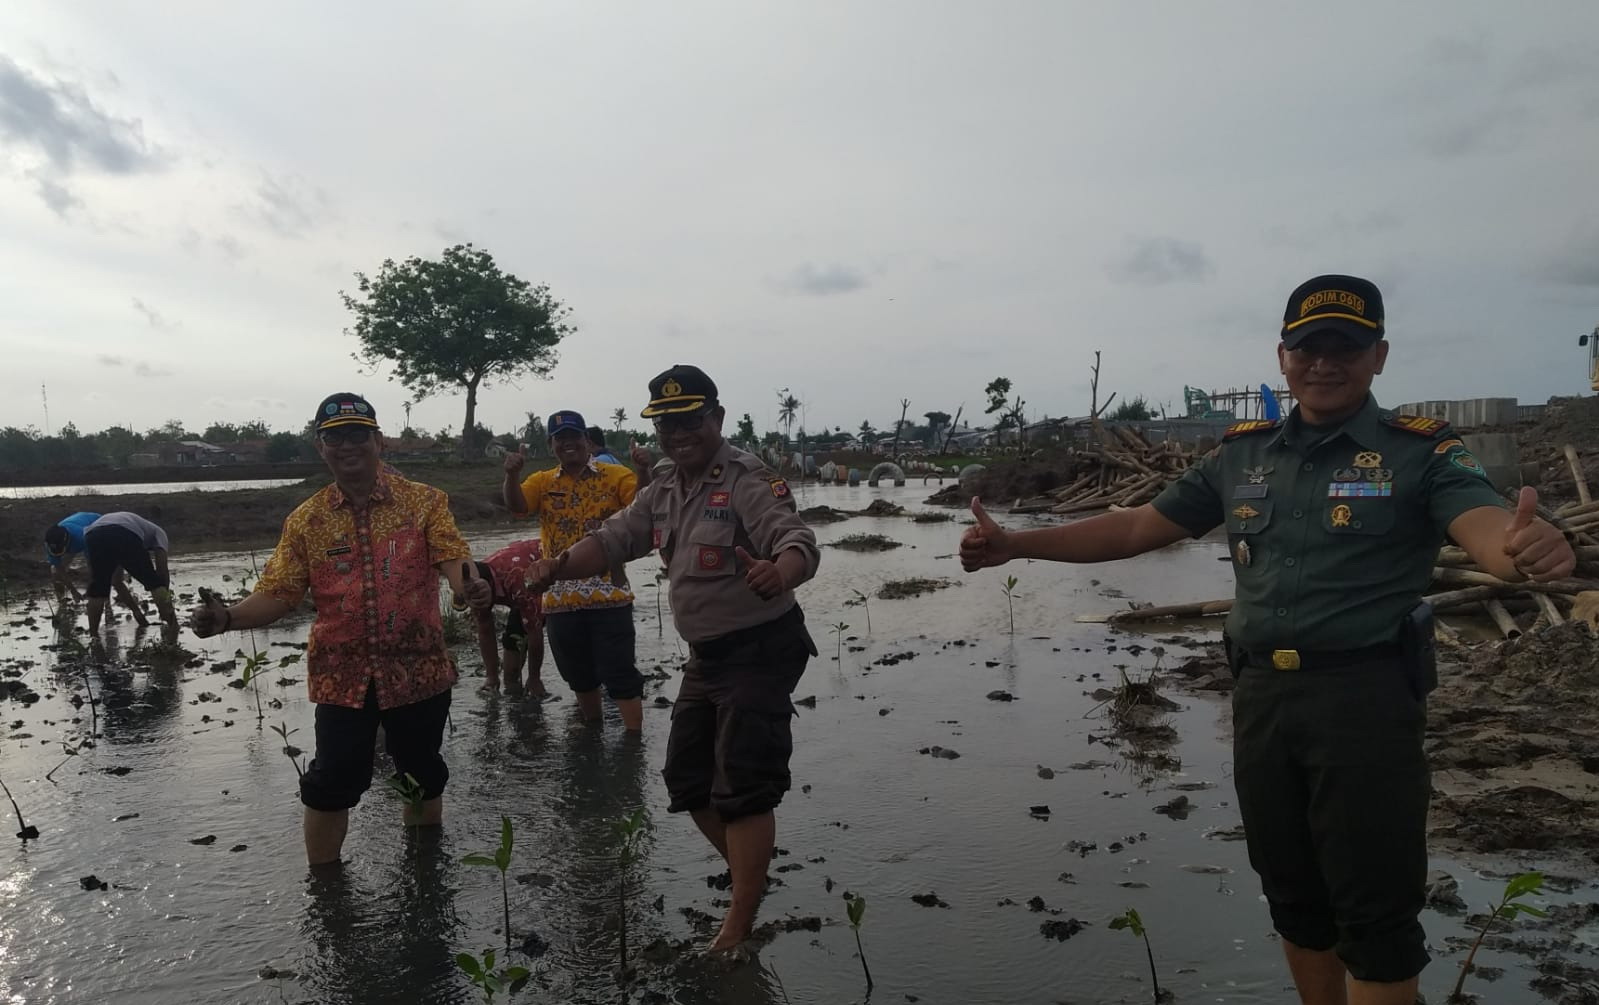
[188, 812]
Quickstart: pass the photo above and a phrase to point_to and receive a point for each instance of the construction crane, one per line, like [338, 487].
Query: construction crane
[1592, 342]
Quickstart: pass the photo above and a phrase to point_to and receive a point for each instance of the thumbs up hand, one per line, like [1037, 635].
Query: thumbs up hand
[763, 578]
[642, 456]
[1540, 552]
[479, 591]
[211, 617]
[985, 543]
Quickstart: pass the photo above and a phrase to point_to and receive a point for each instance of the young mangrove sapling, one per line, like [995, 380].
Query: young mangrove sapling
[855, 907]
[1519, 886]
[481, 973]
[1010, 600]
[500, 859]
[838, 633]
[290, 751]
[630, 832]
[862, 600]
[1133, 923]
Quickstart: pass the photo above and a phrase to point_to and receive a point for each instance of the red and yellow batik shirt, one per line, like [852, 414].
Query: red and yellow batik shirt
[371, 573]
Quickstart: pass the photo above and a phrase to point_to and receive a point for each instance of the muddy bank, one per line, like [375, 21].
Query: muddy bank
[210, 521]
[1005, 480]
[1513, 736]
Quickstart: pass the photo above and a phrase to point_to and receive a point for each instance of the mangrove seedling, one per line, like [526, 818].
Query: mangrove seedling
[1133, 923]
[855, 907]
[838, 633]
[250, 678]
[1010, 600]
[499, 859]
[491, 982]
[290, 751]
[71, 752]
[630, 831]
[28, 832]
[1526, 884]
[862, 601]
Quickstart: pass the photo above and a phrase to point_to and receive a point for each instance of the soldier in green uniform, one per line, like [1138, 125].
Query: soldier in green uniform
[735, 548]
[1334, 517]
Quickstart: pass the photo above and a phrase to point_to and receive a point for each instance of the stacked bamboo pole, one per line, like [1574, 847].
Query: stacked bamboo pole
[1122, 470]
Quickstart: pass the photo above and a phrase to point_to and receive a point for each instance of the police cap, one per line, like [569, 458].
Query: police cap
[680, 390]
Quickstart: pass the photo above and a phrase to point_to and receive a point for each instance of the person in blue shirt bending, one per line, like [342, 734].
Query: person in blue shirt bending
[62, 543]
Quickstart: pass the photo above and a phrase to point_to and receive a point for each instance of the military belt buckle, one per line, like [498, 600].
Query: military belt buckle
[1285, 659]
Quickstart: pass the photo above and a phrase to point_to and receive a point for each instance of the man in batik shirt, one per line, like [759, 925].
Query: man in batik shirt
[369, 548]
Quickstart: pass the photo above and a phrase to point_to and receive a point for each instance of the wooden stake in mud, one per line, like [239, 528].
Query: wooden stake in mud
[1577, 476]
[28, 832]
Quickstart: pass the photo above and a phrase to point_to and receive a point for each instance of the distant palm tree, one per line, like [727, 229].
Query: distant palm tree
[619, 417]
[788, 410]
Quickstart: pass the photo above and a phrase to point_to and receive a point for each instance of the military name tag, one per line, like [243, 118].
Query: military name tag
[1250, 491]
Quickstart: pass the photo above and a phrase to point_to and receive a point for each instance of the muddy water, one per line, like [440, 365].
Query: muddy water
[142, 488]
[198, 922]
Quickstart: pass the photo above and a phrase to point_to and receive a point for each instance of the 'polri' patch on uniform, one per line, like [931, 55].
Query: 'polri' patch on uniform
[1417, 424]
[779, 488]
[1249, 426]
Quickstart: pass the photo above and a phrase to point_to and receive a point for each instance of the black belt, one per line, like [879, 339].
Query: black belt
[721, 645]
[1319, 659]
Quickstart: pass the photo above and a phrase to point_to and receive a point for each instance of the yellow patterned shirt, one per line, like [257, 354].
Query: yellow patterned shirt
[567, 509]
[372, 575]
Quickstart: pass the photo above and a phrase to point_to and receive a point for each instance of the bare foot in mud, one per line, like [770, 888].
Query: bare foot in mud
[726, 949]
[490, 686]
[731, 938]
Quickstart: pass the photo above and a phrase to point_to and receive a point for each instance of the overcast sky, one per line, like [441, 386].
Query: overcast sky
[858, 200]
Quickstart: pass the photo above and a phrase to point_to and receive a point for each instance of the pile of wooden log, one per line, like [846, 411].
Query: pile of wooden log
[1122, 469]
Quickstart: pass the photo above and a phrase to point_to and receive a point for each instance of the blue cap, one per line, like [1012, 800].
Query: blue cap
[567, 420]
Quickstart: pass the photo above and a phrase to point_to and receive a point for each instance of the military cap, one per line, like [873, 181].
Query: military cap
[1344, 304]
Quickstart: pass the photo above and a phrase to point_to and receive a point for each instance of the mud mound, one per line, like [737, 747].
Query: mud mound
[1520, 818]
[1552, 665]
[1514, 743]
[822, 514]
[899, 589]
[882, 507]
[866, 542]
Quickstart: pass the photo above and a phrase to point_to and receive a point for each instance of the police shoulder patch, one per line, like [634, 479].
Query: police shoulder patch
[1249, 426]
[1420, 425]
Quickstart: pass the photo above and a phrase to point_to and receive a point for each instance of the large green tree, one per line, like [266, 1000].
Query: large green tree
[459, 322]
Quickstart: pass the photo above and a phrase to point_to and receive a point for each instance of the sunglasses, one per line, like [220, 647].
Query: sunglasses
[686, 423]
[1337, 350]
[356, 435]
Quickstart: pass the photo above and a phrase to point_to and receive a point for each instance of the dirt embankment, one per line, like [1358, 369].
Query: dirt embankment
[208, 521]
[1573, 421]
[1006, 479]
[1513, 737]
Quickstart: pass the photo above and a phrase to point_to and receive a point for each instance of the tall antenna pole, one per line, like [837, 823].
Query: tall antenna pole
[44, 396]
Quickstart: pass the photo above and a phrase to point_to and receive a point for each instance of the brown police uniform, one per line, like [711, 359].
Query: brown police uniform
[730, 741]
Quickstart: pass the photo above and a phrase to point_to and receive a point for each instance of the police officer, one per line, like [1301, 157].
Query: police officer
[1334, 517]
[735, 549]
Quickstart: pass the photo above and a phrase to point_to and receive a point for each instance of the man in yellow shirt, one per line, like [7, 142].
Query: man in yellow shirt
[589, 622]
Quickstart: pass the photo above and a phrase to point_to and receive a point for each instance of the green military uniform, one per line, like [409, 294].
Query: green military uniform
[1333, 534]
